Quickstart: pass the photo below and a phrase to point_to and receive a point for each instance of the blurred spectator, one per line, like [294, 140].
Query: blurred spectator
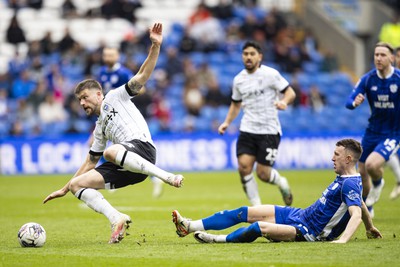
[249, 26]
[390, 31]
[161, 111]
[205, 76]
[316, 98]
[52, 115]
[271, 25]
[15, 34]
[109, 9]
[36, 70]
[214, 97]
[201, 13]
[47, 46]
[36, 4]
[192, 97]
[26, 118]
[113, 74]
[3, 104]
[22, 86]
[35, 49]
[127, 9]
[69, 9]
[38, 95]
[67, 42]
[187, 44]
[174, 62]
[17, 64]
[329, 62]
[223, 10]
[301, 98]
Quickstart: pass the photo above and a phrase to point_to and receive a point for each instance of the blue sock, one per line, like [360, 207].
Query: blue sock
[245, 234]
[225, 219]
[377, 182]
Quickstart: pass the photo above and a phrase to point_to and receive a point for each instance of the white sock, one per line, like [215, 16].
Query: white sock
[95, 200]
[135, 163]
[251, 188]
[220, 238]
[196, 226]
[275, 177]
[394, 164]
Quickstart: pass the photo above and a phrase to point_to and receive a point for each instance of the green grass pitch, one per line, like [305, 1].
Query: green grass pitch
[77, 236]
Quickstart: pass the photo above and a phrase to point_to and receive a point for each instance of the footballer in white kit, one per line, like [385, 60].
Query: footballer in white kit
[260, 91]
[131, 157]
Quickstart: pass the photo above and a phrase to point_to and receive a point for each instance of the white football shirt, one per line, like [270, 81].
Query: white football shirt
[119, 121]
[258, 91]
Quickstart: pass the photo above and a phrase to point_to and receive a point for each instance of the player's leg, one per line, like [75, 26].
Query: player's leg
[218, 221]
[84, 187]
[246, 149]
[394, 164]
[374, 166]
[223, 219]
[275, 232]
[267, 153]
[249, 183]
[129, 157]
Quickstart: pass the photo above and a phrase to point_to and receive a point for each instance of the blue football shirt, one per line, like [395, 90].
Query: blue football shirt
[383, 97]
[327, 218]
[115, 77]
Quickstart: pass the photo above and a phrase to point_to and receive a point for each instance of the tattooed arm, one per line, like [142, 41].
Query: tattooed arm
[88, 164]
[137, 82]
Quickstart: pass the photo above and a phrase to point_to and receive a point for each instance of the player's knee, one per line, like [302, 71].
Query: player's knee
[74, 186]
[110, 154]
[371, 166]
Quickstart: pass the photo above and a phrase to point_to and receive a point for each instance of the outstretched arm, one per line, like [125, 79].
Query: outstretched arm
[89, 164]
[137, 81]
[352, 225]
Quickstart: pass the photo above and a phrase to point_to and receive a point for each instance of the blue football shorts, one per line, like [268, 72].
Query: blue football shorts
[381, 144]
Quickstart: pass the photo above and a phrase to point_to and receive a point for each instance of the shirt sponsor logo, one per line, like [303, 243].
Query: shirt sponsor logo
[353, 195]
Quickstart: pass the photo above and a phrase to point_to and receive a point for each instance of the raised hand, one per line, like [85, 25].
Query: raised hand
[156, 34]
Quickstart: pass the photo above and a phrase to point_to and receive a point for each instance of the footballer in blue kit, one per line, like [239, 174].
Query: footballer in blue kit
[113, 74]
[381, 88]
[336, 214]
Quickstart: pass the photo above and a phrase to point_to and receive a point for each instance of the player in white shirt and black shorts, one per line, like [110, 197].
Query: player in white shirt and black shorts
[257, 89]
[131, 157]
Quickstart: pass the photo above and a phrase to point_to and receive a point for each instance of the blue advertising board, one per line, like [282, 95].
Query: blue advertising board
[183, 152]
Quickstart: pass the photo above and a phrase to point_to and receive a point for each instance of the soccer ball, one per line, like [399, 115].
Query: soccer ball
[31, 235]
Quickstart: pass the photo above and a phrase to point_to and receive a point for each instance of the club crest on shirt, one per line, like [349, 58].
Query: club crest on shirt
[105, 107]
[393, 88]
[353, 195]
[374, 88]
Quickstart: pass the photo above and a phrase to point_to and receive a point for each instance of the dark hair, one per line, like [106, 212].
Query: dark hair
[397, 49]
[387, 45]
[254, 44]
[351, 145]
[87, 84]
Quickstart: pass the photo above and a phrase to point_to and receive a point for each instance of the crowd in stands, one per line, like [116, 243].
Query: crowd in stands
[190, 88]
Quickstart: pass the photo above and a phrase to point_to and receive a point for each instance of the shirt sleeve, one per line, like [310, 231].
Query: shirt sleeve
[99, 142]
[236, 96]
[279, 83]
[351, 192]
[359, 88]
